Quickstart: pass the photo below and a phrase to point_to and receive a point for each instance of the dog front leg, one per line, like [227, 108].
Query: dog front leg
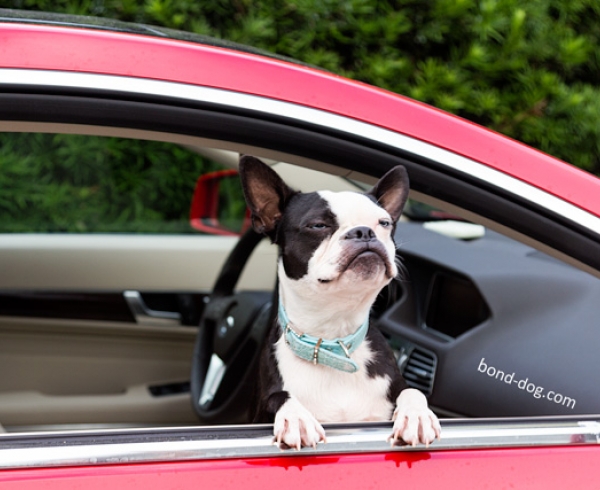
[414, 422]
[296, 427]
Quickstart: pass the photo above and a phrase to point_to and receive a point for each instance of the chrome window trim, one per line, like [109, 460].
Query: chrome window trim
[302, 113]
[242, 442]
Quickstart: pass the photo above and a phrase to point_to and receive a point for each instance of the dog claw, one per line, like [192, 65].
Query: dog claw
[397, 438]
[295, 427]
[414, 422]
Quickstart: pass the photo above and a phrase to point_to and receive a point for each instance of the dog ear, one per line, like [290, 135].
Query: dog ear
[265, 192]
[391, 192]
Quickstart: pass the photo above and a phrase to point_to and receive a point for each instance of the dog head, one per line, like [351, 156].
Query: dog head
[328, 240]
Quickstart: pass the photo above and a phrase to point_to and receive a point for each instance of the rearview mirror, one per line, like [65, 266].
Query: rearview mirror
[218, 206]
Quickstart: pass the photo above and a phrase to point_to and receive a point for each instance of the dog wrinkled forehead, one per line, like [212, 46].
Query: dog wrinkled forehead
[354, 209]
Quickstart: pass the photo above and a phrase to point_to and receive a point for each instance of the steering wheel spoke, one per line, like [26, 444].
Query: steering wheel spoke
[214, 376]
[216, 308]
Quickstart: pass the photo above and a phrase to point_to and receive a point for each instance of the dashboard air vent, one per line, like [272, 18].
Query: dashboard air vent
[419, 370]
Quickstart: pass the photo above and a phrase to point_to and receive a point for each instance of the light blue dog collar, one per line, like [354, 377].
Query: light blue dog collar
[333, 353]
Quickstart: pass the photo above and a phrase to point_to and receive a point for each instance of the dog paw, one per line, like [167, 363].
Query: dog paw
[414, 422]
[296, 427]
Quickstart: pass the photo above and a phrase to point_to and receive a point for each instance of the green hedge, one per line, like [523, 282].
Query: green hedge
[527, 69]
[82, 184]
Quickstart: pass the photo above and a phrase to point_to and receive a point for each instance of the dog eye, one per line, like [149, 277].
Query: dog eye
[317, 226]
[385, 223]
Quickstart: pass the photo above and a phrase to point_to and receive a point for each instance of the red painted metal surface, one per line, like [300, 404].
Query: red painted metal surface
[94, 51]
[533, 468]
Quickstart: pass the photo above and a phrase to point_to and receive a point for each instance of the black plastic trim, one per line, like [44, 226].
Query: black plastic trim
[80, 306]
[97, 306]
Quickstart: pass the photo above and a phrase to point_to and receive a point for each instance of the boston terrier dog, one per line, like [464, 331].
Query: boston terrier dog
[322, 361]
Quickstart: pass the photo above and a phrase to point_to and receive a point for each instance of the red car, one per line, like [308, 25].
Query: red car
[122, 261]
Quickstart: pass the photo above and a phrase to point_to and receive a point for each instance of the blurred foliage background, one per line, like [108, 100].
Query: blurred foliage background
[81, 184]
[530, 70]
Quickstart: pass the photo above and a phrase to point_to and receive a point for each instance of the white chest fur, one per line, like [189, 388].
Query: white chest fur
[332, 395]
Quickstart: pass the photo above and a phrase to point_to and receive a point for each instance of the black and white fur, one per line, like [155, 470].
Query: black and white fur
[336, 254]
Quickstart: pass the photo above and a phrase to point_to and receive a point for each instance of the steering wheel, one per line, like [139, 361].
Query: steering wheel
[230, 336]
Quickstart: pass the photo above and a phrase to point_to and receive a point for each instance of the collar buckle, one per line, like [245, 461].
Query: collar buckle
[316, 352]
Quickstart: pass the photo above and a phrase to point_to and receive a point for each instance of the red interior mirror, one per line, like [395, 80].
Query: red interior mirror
[218, 206]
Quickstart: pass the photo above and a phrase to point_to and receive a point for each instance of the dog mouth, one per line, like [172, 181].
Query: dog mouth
[365, 260]
[370, 257]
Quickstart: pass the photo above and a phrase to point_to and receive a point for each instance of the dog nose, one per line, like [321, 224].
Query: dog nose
[361, 234]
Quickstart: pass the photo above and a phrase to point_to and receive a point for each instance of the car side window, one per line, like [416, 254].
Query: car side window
[69, 183]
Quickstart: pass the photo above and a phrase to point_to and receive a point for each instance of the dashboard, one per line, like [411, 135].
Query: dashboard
[482, 326]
